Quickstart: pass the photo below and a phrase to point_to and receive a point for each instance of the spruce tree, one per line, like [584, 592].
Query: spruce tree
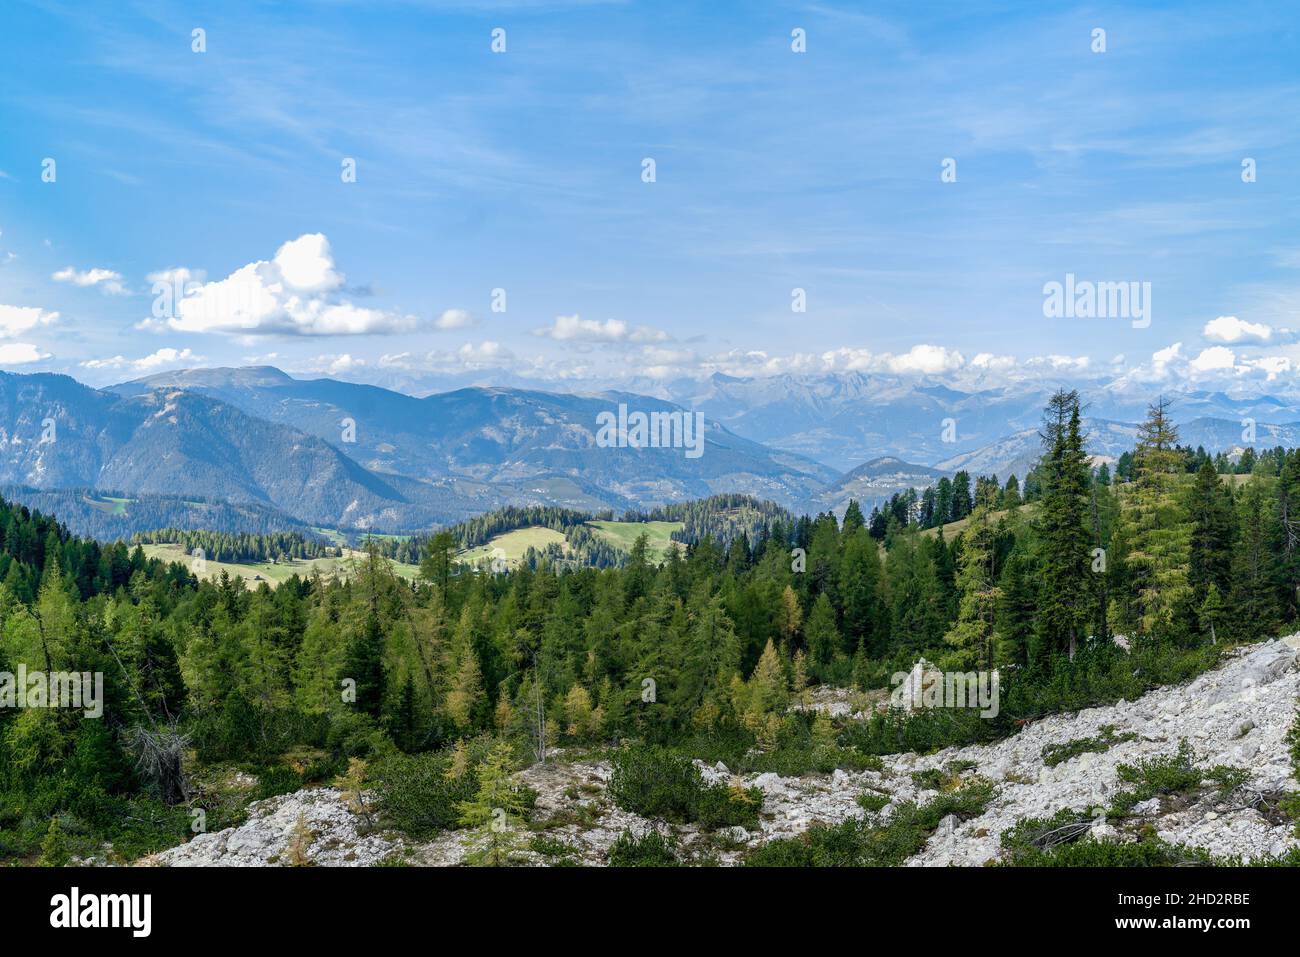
[1154, 535]
[972, 635]
[1209, 559]
[364, 664]
[1063, 539]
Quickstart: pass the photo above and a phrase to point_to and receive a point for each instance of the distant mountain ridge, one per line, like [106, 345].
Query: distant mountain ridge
[348, 455]
[539, 447]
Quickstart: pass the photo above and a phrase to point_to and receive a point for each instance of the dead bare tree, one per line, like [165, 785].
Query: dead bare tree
[159, 751]
[160, 760]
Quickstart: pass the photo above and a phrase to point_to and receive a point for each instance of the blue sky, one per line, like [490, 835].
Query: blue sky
[522, 171]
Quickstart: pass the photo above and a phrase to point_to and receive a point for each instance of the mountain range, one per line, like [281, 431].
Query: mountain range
[349, 455]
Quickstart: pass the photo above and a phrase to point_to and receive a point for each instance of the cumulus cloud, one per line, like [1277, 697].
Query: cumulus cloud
[295, 293]
[454, 319]
[107, 280]
[150, 363]
[987, 360]
[1213, 359]
[922, 359]
[178, 276]
[1057, 363]
[335, 365]
[1214, 364]
[1162, 359]
[20, 353]
[15, 320]
[1271, 366]
[576, 329]
[1232, 329]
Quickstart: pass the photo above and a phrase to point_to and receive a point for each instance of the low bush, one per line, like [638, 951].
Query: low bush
[1055, 754]
[870, 842]
[418, 795]
[663, 784]
[652, 849]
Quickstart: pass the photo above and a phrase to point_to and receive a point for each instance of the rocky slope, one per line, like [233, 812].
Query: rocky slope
[1237, 714]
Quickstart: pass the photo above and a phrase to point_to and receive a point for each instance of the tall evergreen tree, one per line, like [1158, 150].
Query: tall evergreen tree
[1064, 561]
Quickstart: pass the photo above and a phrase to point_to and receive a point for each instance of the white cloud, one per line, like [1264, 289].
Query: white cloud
[150, 363]
[1163, 358]
[343, 363]
[927, 360]
[1076, 364]
[20, 353]
[485, 352]
[1213, 359]
[1271, 366]
[107, 279]
[177, 276]
[15, 320]
[987, 360]
[576, 329]
[454, 319]
[293, 294]
[1232, 329]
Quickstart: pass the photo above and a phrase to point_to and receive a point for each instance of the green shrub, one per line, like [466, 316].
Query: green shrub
[1065, 840]
[418, 797]
[275, 780]
[1055, 754]
[1166, 774]
[652, 849]
[655, 782]
[721, 806]
[871, 802]
[1098, 675]
[659, 783]
[869, 842]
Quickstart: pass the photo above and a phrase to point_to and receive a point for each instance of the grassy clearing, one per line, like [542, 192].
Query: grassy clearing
[271, 572]
[514, 544]
[624, 534]
[108, 504]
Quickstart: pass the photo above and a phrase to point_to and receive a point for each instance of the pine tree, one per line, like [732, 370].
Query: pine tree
[822, 635]
[54, 846]
[496, 812]
[438, 559]
[917, 612]
[1017, 605]
[1212, 611]
[1064, 560]
[789, 615]
[465, 697]
[865, 619]
[364, 664]
[1255, 568]
[1153, 536]
[973, 633]
[300, 839]
[1209, 560]
[853, 519]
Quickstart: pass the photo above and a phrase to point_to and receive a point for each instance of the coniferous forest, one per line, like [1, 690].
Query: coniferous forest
[426, 695]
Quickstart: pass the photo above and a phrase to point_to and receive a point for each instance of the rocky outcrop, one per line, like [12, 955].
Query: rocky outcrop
[334, 836]
[1237, 714]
